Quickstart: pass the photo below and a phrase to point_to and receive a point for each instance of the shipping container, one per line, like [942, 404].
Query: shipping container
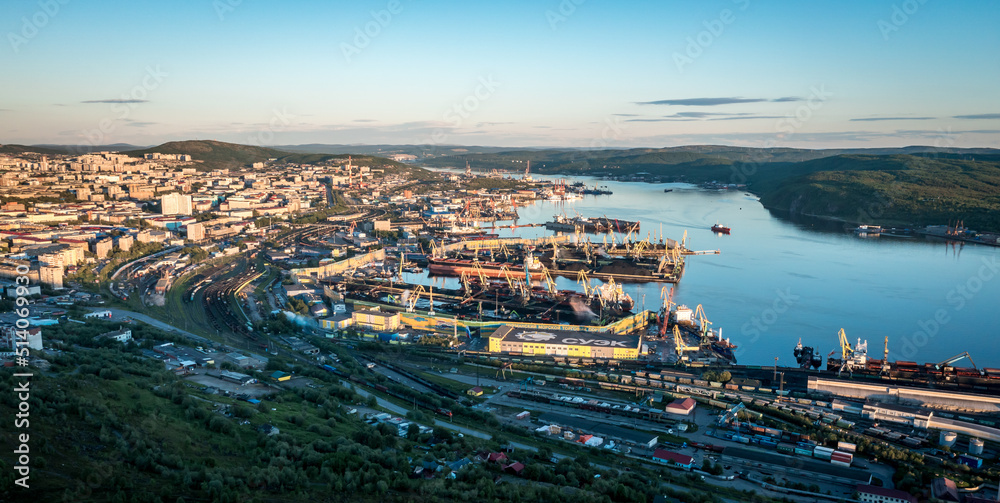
[803, 451]
[845, 457]
[847, 447]
[786, 448]
[821, 452]
[840, 463]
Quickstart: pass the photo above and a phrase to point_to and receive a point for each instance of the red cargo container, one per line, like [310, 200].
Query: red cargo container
[843, 457]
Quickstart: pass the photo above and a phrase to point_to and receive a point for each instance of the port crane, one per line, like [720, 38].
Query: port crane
[731, 415]
[885, 358]
[704, 332]
[410, 298]
[584, 280]
[953, 359]
[851, 357]
[668, 302]
[679, 344]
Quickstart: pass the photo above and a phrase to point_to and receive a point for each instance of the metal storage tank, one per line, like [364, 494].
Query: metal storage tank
[975, 446]
[948, 438]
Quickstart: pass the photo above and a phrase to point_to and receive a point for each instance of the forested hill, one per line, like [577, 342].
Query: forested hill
[891, 190]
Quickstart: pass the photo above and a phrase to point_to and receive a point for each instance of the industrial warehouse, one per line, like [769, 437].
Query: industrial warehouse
[520, 341]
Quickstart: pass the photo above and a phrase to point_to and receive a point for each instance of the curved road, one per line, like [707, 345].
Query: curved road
[118, 314]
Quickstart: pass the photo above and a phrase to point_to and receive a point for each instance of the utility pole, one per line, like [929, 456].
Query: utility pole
[781, 388]
[775, 378]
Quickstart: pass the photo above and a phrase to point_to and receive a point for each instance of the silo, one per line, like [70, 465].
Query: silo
[975, 446]
[948, 438]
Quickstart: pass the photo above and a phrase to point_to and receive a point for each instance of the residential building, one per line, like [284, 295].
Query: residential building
[51, 276]
[175, 204]
[125, 242]
[196, 231]
[103, 247]
[123, 335]
[13, 338]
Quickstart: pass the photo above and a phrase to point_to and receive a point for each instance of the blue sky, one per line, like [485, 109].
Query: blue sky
[569, 73]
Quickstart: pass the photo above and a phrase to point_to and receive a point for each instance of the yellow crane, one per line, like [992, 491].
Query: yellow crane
[703, 323]
[846, 351]
[584, 280]
[679, 345]
[549, 284]
[411, 299]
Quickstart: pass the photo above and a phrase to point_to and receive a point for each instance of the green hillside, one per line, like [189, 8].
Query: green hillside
[21, 149]
[890, 190]
[211, 154]
[214, 154]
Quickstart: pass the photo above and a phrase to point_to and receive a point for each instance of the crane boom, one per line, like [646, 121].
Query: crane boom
[956, 358]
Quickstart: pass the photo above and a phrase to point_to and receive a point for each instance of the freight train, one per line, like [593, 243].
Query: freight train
[632, 411]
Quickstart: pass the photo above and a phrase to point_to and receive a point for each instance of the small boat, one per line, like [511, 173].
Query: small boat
[668, 190]
[720, 229]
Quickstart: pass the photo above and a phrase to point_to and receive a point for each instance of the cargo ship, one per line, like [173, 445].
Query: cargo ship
[591, 225]
[693, 328]
[489, 269]
[807, 357]
[722, 229]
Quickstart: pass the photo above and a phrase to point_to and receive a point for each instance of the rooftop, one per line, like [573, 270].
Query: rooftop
[566, 337]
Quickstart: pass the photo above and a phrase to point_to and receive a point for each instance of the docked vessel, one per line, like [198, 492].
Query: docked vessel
[807, 357]
[591, 225]
[489, 269]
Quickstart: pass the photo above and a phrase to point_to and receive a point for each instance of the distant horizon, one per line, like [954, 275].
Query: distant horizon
[548, 147]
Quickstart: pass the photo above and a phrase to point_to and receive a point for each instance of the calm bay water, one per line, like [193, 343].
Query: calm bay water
[776, 281]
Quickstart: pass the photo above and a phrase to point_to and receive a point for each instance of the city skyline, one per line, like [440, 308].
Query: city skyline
[559, 74]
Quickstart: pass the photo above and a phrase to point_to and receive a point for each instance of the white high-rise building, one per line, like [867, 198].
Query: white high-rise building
[175, 204]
